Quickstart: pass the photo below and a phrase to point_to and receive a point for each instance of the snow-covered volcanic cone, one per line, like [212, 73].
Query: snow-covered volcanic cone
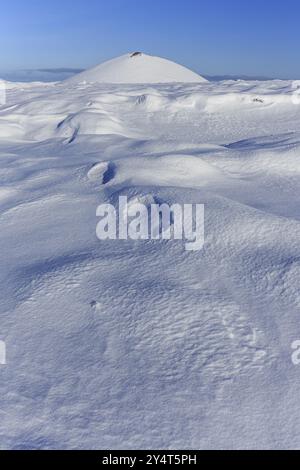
[137, 68]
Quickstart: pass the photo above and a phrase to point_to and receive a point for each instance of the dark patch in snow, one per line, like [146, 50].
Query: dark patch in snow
[109, 174]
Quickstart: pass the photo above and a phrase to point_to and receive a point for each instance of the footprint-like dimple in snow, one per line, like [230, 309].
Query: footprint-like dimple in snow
[103, 172]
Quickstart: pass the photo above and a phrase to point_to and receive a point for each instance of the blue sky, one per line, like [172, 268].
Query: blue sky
[212, 37]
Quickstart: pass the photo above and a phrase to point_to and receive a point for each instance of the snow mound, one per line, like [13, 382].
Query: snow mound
[138, 68]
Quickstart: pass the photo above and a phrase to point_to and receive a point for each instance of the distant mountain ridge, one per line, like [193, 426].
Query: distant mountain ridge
[219, 78]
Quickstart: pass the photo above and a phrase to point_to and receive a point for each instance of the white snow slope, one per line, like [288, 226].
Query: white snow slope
[137, 68]
[141, 344]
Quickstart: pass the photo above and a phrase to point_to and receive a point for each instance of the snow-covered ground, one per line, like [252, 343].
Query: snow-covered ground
[142, 344]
